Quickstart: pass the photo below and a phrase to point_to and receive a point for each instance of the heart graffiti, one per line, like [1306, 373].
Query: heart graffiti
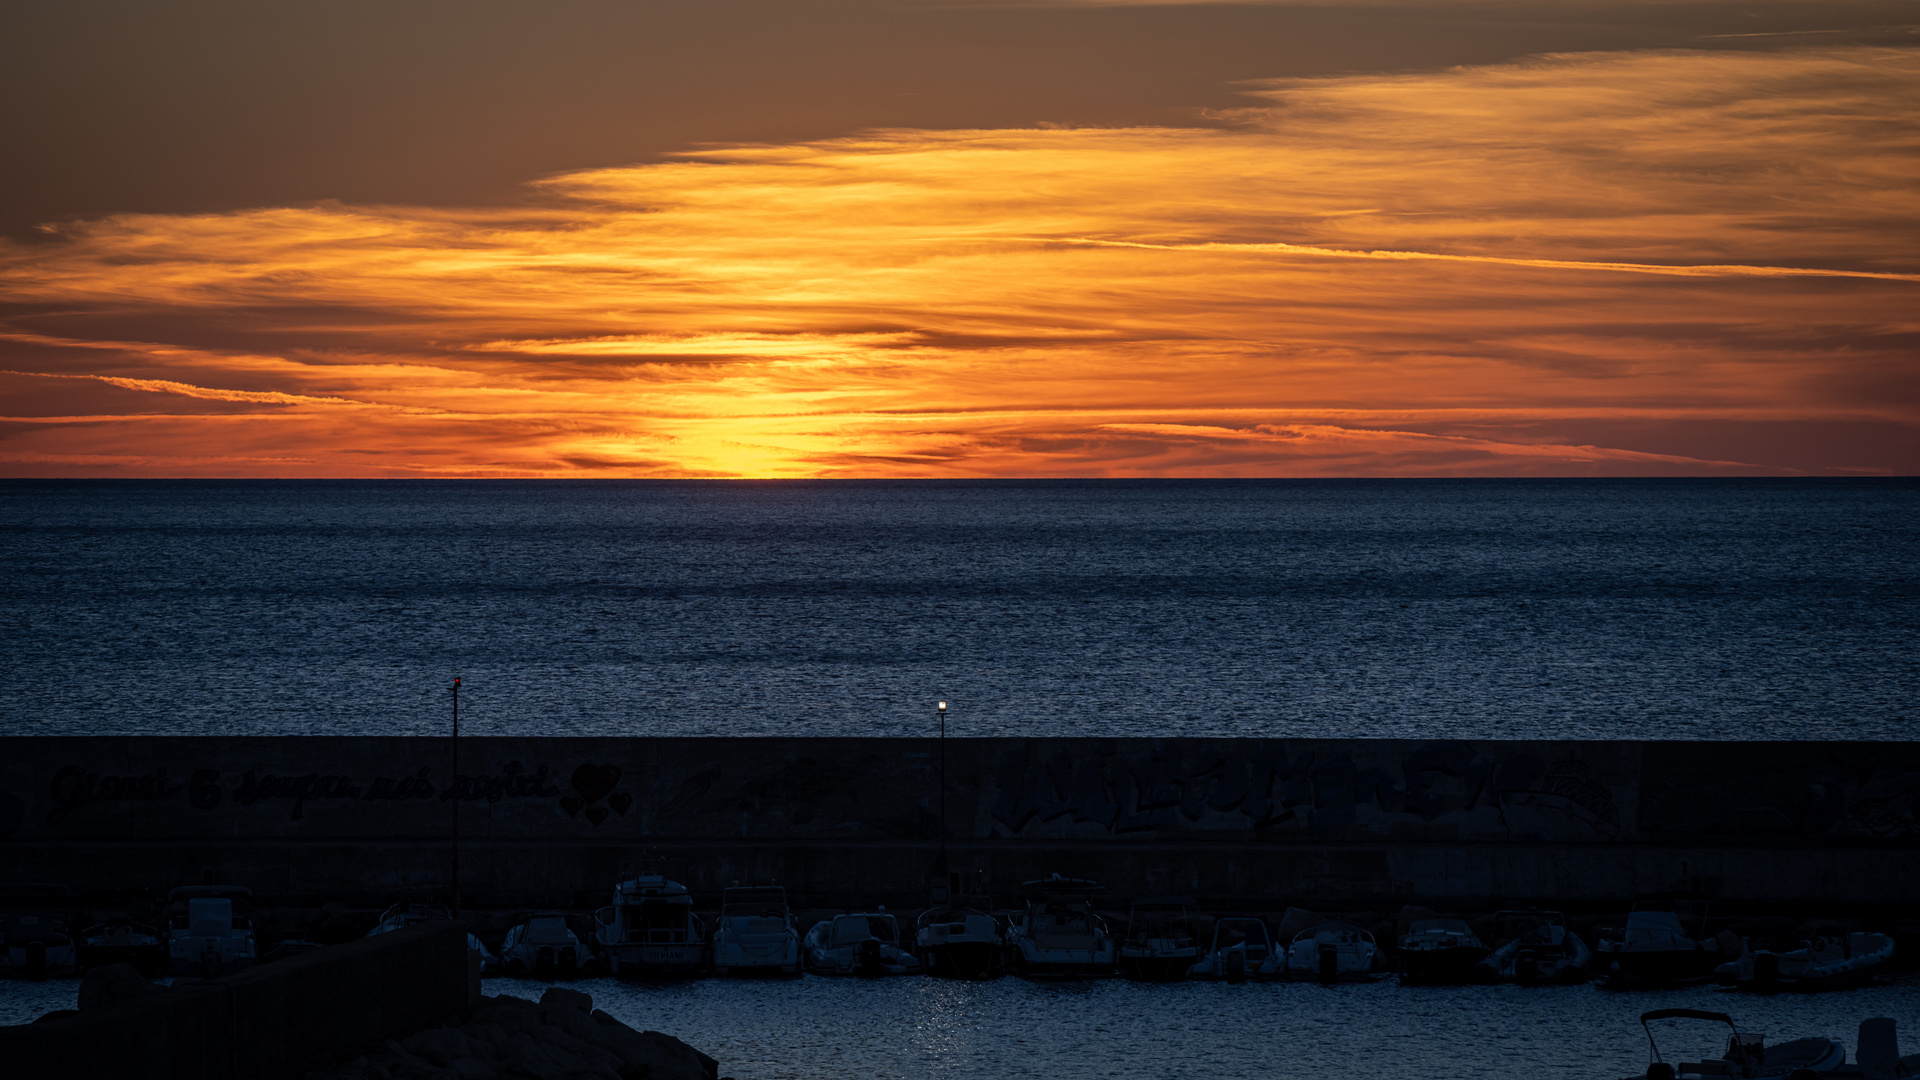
[593, 783]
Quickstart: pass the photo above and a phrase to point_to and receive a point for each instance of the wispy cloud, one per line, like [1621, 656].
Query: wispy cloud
[1469, 271]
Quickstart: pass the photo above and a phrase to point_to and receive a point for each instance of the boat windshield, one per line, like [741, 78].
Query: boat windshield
[1230, 933]
[853, 929]
[658, 921]
[757, 925]
[1438, 927]
[547, 926]
[1068, 929]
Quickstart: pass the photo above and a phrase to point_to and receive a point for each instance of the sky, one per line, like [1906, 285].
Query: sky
[826, 238]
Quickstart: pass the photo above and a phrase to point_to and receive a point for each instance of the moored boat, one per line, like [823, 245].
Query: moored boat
[210, 929]
[1333, 951]
[756, 933]
[1535, 948]
[122, 930]
[410, 913]
[1059, 935]
[1746, 1055]
[1655, 948]
[857, 943]
[544, 946]
[1241, 948]
[1160, 944]
[1437, 951]
[959, 942]
[36, 931]
[1825, 961]
[650, 929]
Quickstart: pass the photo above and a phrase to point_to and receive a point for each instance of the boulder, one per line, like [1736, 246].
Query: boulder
[559, 997]
[667, 1057]
[441, 1046]
[113, 983]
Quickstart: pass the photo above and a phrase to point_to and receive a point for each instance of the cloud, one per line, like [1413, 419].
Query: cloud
[1434, 274]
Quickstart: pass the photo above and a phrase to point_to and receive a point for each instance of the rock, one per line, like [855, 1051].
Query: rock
[559, 997]
[114, 983]
[508, 1038]
[56, 1014]
[440, 1046]
[666, 1057]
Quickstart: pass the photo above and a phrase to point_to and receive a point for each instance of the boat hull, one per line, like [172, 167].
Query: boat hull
[1659, 967]
[633, 961]
[1148, 967]
[149, 959]
[1440, 967]
[962, 959]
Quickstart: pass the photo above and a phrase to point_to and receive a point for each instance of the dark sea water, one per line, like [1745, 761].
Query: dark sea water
[1716, 609]
[910, 1028]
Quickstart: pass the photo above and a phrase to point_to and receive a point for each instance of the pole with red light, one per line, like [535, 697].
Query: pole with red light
[455, 799]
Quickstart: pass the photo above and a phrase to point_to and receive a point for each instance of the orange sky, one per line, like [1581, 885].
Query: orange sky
[1633, 262]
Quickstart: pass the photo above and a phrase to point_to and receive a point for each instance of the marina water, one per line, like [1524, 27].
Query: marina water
[910, 1028]
[1712, 609]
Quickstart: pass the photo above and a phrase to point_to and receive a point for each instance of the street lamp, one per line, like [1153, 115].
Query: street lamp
[944, 868]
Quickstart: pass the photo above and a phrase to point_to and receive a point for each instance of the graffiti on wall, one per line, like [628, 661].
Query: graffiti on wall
[590, 792]
[1437, 789]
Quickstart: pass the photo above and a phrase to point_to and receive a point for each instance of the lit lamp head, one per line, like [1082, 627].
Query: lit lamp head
[943, 706]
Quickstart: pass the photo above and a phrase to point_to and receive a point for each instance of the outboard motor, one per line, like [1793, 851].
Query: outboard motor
[1766, 971]
[36, 963]
[543, 962]
[569, 963]
[1329, 963]
[1526, 967]
[1236, 967]
[869, 958]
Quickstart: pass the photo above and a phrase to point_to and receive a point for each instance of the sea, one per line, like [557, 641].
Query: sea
[1487, 608]
[914, 1028]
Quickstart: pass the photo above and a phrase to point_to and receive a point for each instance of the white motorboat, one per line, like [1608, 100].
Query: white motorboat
[545, 947]
[1747, 1056]
[1333, 951]
[1241, 948]
[1655, 949]
[650, 929]
[1438, 951]
[405, 914]
[36, 936]
[756, 934]
[858, 943]
[1827, 960]
[1160, 944]
[210, 929]
[959, 942]
[1059, 936]
[1536, 947]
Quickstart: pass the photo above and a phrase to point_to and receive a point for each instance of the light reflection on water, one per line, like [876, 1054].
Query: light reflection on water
[906, 1028]
[820, 1028]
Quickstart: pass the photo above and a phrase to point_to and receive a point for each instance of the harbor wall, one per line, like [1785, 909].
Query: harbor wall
[272, 1021]
[1251, 823]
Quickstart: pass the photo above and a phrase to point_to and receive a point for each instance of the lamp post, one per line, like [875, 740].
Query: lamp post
[944, 868]
[455, 799]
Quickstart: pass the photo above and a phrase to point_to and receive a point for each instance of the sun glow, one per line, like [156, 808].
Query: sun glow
[1508, 270]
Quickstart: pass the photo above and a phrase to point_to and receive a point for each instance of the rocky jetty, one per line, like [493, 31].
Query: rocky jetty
[511, 1038]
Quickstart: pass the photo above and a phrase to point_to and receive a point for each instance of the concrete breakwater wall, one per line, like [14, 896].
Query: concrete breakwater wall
[276, 1020]
[1253, 823]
